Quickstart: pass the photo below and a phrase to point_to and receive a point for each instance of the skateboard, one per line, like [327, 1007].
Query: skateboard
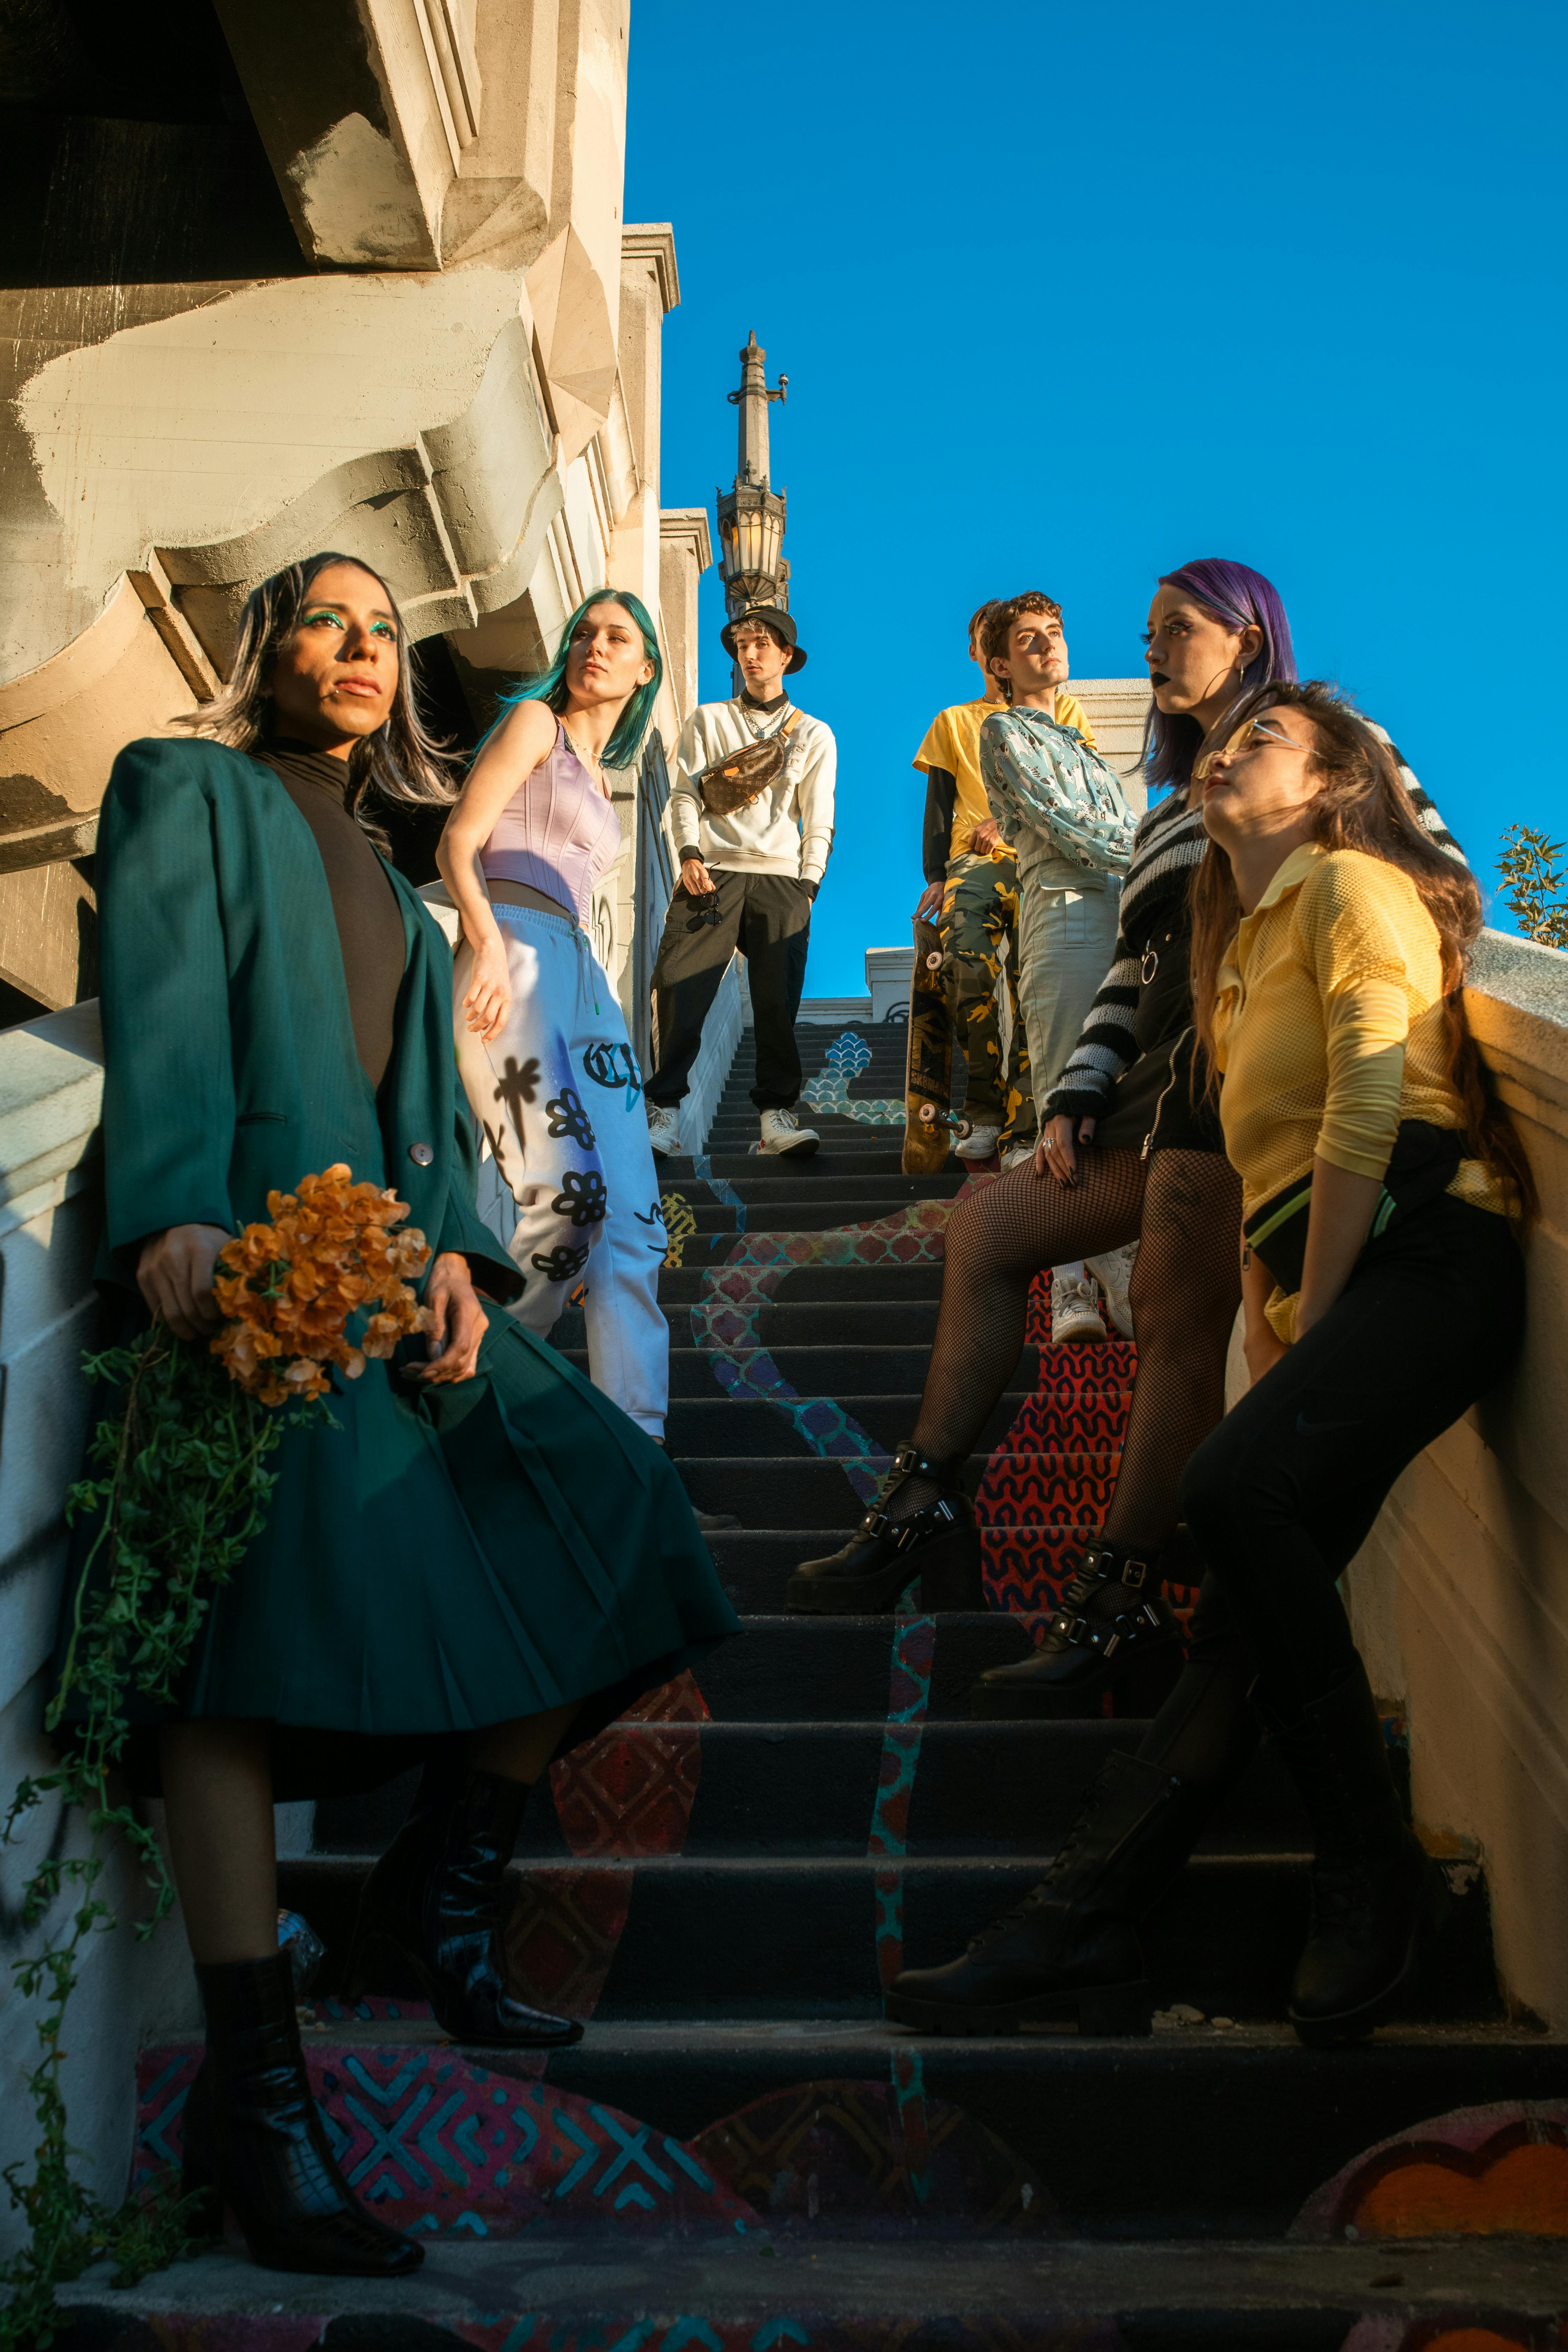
[929, 1122]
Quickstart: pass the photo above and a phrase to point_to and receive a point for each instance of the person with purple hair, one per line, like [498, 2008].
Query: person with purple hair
[1130, 1149]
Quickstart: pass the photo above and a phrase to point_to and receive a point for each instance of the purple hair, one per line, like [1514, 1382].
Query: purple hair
[1241, 599]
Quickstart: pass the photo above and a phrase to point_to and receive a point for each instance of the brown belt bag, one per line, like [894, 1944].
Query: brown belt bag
[743, 776]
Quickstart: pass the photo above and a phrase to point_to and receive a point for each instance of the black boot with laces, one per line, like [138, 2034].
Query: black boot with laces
[1071, 1949]
[935, 1542]
[1113, 1625]
[1378, 1902]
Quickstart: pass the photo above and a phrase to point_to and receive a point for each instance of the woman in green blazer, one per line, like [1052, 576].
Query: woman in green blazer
[486, 1561]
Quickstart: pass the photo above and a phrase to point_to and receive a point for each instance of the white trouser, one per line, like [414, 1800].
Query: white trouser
[558, 1097]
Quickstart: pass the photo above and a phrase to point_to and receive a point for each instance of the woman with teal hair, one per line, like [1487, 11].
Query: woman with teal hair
[542, 1043]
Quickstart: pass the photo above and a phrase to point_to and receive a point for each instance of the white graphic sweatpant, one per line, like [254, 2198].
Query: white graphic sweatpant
[558, 1096]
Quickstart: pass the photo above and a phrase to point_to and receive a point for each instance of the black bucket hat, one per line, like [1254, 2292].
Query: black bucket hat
[776, 618]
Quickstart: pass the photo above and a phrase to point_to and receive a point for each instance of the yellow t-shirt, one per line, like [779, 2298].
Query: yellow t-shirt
[1330, 1029]
[952, 741]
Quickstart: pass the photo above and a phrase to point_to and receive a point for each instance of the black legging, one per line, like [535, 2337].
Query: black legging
[1283, 1493]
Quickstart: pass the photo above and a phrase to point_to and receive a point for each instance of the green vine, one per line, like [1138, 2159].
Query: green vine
[180, 1484]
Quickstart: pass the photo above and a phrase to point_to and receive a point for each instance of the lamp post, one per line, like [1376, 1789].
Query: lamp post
[751, 514]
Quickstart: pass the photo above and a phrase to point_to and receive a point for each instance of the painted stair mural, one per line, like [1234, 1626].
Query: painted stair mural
[739, 2154]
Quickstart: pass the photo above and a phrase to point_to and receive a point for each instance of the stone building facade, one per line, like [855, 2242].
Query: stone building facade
[350, 276]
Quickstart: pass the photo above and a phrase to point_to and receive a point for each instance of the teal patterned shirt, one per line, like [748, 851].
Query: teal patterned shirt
[1044, 780]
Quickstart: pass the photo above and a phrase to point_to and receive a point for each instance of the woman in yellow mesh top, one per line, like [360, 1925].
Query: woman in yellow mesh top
[1382, 1279]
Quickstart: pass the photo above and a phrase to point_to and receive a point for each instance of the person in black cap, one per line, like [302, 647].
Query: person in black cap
[753, 828]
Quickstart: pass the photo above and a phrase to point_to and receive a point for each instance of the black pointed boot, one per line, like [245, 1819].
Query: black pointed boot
[1114, 1629]
[1071, 1948]
[255, 2141]
[937, 1543]
[1378, 1902]
[435, 1907]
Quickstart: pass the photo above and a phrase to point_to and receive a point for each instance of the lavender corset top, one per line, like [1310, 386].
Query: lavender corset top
[559, 834]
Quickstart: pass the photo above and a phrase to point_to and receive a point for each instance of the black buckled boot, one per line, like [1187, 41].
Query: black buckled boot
[254, 2139]
[1071, 1948]
[1377, 1900]
[936, 1543]
[435, 1907]
[1114, 1622]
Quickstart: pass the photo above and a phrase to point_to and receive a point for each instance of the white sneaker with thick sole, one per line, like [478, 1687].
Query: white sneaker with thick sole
[978, 1144]
[1113, 1272]
[1074, 1315]
[782, 1132]
[1019, 1155]
[663, 1129]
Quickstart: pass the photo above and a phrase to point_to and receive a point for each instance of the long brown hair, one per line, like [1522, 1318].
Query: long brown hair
[1363, 804]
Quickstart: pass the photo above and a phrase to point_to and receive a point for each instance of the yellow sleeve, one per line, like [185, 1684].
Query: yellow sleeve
[1354, 915]
[936, 750]
[1070, 712]
[1367, 1023]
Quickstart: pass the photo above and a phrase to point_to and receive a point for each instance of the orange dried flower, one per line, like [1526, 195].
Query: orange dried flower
[290, 1289]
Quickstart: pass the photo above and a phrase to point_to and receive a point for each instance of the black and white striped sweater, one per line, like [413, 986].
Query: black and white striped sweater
[1166, 848]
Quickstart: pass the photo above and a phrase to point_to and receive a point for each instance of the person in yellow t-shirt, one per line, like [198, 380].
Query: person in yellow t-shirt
[972, 891]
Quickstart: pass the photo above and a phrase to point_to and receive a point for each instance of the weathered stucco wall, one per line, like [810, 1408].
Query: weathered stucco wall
[1460, 1598]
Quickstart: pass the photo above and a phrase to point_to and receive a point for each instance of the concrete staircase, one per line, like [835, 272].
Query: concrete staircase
[739, 2153]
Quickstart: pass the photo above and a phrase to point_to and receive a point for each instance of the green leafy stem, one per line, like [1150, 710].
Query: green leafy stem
[179, 1487]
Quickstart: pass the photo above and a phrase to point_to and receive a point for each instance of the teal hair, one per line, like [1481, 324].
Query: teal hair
[626, 742]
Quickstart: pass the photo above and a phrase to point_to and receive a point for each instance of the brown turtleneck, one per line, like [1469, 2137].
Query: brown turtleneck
[369, 920]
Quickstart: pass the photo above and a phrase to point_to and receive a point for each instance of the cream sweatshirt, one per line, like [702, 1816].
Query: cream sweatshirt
[788, 829]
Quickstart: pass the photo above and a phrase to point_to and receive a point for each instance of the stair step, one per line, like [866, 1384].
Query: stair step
[846, 1373]
[800, 1788]
[816, 1491]
[1063, 2144]
[756, 1559]
[748, 1937]
[717, 1425]
[874, 1285]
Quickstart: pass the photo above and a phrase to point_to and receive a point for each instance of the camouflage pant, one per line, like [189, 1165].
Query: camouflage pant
[979, 911]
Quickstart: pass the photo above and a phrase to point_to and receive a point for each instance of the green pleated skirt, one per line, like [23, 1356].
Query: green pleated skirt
[446, 1559]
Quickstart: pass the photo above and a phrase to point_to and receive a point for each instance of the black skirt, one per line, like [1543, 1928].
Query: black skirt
[1164, 1101]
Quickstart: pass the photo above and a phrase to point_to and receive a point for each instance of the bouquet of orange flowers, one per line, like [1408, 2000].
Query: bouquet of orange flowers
[289, 1289]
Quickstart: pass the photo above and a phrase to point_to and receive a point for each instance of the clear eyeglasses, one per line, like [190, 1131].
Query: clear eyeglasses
[1240, 741]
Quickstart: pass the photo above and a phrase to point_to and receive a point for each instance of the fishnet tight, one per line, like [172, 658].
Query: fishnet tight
[1185, 1206]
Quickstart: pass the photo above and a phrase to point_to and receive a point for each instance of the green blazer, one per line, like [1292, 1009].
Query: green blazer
[441, 1557]
[228, 1049]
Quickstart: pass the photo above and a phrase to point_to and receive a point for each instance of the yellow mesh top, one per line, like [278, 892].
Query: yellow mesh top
[1330, 1027]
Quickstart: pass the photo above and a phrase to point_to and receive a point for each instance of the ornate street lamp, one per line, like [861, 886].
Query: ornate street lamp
[751, 514]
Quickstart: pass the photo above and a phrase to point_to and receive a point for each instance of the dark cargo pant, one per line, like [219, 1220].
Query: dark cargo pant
[768, 917]
[979, 911]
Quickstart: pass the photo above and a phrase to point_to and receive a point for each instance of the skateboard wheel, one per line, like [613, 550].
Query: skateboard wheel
[933, 962]
[928, 1114]
[963, 1127]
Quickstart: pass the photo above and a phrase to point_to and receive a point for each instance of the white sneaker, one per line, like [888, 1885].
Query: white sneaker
[1074, 1315]
[1017, 1155]
[1113, 1272]
[664, 1129]
[782, 1132]
[978, 1144]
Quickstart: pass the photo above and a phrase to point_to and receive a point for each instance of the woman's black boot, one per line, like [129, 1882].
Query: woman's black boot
[434, 1908]
[1377, 1899]
[937, 1543]
[254, 2139]
[1071, 1948]
[1114, 1629]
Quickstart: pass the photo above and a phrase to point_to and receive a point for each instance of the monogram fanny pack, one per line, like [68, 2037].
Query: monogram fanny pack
[743, 776]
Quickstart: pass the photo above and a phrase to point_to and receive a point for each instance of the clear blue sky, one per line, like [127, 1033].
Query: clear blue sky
[1069, 296]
